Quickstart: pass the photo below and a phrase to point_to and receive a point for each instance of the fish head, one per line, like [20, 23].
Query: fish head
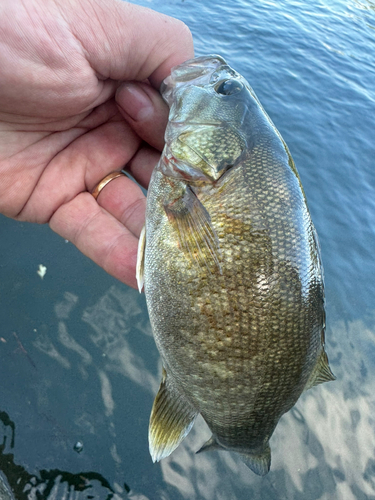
[205, 135]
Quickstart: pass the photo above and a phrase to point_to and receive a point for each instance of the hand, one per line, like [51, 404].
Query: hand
[67, 118]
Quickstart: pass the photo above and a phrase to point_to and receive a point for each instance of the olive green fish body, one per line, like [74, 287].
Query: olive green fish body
[232, 270]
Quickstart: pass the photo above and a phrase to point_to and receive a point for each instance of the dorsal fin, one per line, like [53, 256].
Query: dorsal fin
[172, 417]
[321, 372]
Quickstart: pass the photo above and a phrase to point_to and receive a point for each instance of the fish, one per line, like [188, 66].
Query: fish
[231, 268]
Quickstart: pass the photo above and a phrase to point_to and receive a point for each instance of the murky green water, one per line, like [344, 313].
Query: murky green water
[77, 359]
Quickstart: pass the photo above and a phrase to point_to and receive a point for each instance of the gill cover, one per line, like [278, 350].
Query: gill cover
[203, 148]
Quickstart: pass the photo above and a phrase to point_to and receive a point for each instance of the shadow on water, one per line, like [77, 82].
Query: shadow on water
[47, 484]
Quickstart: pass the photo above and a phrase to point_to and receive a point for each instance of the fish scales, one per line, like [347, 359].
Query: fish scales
[231, 269]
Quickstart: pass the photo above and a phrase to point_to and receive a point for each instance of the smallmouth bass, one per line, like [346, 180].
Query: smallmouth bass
[231, 268]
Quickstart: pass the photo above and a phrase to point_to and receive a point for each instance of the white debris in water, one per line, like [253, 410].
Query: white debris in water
[42, 270]
[78, 447]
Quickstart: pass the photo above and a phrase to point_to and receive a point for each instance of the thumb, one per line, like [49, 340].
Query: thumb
[144, 109]
[123, 41]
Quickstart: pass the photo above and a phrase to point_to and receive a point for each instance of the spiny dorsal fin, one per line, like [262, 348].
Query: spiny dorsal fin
[321, 373]
[171, 419]
[196, 235]
[139, 273]
[259, 463]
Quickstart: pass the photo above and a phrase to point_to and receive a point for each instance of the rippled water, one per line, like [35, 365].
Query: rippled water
[77, 358]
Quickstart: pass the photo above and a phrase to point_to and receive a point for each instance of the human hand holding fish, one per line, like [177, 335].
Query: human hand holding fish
[229, 259]
[67, 119]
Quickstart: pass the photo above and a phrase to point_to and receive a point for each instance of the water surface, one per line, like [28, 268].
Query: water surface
[77, 358]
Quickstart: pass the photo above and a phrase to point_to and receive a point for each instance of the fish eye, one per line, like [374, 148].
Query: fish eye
[228, 87]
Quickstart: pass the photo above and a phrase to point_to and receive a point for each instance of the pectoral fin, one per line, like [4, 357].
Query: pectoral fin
[259, 463]
[172, 417]
[140, 259]
[321, 373]
[196, 235]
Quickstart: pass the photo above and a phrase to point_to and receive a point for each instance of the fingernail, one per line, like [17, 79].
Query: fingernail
[134, 101]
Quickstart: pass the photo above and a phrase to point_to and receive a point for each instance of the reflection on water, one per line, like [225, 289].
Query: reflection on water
[326, 444]
[118, 311]
[111, 319]
[322, 449]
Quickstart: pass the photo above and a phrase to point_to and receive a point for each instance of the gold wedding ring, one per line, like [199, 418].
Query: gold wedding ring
[102, 184]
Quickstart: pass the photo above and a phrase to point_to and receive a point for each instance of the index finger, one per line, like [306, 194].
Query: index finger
[123, 41]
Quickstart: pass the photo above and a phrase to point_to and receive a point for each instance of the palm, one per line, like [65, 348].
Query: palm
[62, 131]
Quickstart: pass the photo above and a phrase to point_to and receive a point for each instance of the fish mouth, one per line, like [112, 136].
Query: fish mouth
[198, 72]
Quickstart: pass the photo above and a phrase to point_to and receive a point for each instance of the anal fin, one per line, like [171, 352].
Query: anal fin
[321, 372]
[196, 235]
[172, 417]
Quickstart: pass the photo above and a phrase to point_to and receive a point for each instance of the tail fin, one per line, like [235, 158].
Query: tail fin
[259, 463]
